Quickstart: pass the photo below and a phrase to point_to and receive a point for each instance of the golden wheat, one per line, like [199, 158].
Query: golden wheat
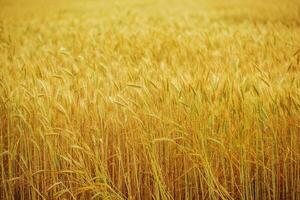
[150, 99]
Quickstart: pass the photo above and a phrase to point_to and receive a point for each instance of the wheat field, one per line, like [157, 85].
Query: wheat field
[150, 99]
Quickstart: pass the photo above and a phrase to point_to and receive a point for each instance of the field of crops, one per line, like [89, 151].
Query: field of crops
[150, 99]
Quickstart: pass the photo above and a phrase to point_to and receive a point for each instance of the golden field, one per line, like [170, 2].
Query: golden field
[149, 99]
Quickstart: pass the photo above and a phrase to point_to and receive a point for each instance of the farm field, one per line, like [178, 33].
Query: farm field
[150, 99]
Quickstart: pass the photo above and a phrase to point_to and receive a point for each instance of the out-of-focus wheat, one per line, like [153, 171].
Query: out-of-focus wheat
[149, 99]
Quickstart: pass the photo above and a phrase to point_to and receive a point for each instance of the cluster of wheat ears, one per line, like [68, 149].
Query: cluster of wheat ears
[152, 99]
